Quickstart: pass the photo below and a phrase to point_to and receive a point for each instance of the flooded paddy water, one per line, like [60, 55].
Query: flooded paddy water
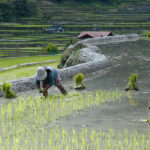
[127, 58]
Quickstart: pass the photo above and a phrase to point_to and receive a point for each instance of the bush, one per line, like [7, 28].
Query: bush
[51, 48]
[6, 89]
[64, 57]
[79, 79]
[66, 54]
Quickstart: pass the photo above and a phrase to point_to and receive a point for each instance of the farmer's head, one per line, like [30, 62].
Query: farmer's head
[41, 73]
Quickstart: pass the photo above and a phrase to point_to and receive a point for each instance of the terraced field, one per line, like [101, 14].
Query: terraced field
[28, 36]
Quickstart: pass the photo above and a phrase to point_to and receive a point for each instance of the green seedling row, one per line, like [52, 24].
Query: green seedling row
[29, 123]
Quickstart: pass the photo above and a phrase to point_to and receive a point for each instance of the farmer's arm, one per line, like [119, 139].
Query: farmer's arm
[45, 90]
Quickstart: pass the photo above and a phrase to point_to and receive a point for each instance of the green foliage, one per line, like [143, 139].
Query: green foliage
[45, 18]
[132, 83]
[64, 58]
[73, 51]
[10, 10]
[21, 8]
[6, 12]
[24, 8]
[79, 79]
[6, 89]
[51, 48]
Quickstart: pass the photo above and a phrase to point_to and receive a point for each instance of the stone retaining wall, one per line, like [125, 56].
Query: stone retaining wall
[90, 62]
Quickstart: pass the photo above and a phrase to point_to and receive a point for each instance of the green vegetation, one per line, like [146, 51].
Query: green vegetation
[65, 55]
[74, 52]
[132, 85]
[27, 117]
[28, 122]
[6, 89]
[12, 9]
[51, 48]
[147, 34]
[8, 62]
[79, 80]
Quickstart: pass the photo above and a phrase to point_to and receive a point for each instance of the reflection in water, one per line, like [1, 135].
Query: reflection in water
[132, 98]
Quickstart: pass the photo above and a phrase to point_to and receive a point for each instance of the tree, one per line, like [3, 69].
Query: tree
[21, 7]
[25, 8]
[6, 12]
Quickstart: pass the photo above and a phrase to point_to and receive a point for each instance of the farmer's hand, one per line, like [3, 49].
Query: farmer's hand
[45, 92]
[40, 91]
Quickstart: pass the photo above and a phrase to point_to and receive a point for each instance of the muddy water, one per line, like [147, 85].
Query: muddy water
[127, 58]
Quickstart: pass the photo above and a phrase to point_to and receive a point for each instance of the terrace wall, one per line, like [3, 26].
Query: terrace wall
[91, 61]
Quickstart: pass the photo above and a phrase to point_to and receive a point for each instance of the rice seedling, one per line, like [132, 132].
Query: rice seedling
[8, 92]
[29, 123]
[79, 81]
[132, 85]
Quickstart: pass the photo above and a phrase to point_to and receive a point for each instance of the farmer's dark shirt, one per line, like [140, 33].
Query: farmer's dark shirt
[52, 75]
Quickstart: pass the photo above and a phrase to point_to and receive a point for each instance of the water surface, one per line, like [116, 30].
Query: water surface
[127, 58]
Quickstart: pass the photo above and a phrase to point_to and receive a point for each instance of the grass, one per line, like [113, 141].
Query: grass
[29, 123]
[22, 72]
[8, 62]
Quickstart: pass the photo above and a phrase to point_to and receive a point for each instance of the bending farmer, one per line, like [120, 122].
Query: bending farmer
[48, 76]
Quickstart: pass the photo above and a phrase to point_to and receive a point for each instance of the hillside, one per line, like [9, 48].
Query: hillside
[28, 35]
[12, 10]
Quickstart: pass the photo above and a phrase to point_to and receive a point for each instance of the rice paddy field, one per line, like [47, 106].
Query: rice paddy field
[32, 123]
[103, 116]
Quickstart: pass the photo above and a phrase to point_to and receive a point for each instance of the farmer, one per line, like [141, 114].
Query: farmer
[48, 76]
